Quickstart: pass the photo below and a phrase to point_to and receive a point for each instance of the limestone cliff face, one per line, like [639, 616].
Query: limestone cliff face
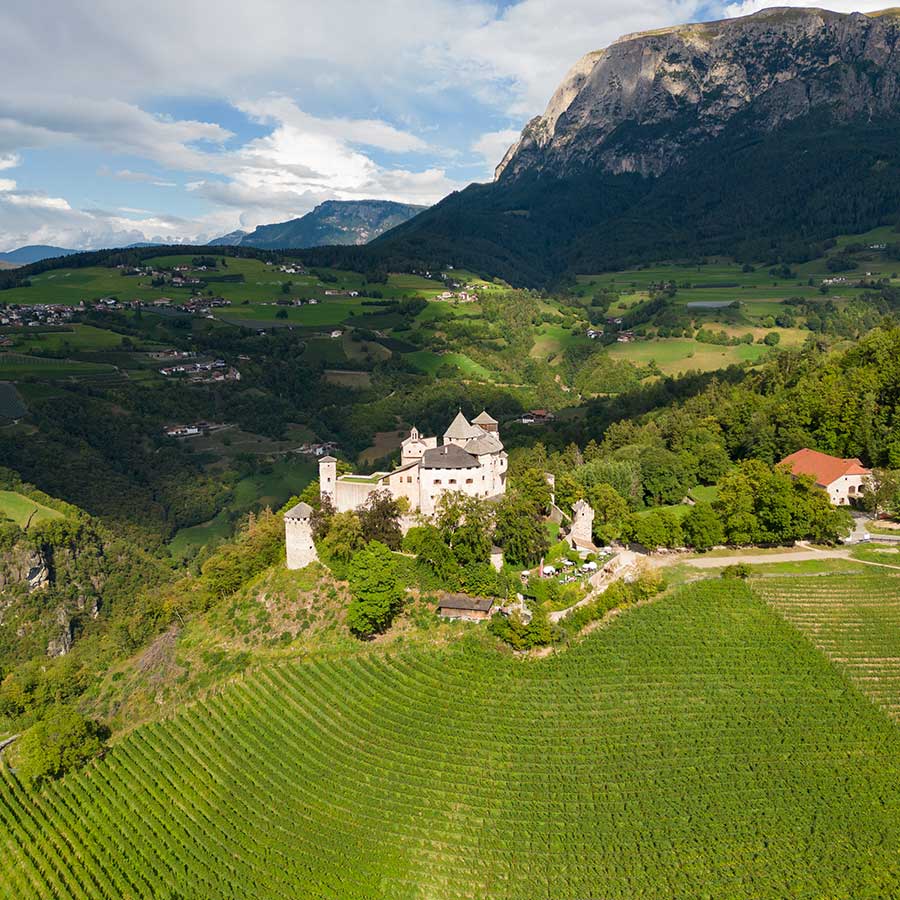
[641, 104]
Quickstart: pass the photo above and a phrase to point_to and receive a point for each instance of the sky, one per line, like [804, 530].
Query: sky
[183, 120]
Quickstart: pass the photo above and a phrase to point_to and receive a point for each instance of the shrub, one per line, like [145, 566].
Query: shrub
[62, 741]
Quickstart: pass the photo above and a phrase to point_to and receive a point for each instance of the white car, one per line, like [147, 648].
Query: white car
[549, 570]
[589, 567]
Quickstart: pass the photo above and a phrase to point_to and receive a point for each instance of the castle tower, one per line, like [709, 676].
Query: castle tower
[327, 477]
[581, 533]
[301, 551]
[486, 422]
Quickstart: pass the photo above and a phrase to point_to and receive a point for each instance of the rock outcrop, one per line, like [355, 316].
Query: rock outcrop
[645, 102]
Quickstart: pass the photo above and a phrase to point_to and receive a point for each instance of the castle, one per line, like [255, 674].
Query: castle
[470, 459]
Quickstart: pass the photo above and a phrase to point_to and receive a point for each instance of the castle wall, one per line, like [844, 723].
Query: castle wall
[405, 484]
[349, 495]
[474, 482]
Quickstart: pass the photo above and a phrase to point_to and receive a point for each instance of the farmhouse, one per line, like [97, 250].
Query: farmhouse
[471, 459]
[842, 479]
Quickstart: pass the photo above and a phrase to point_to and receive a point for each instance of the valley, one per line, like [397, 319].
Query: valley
[542, 540]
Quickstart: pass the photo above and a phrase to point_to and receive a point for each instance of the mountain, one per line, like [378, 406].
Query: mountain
[331, 222]
[232, 239]
[757, 136]
[34, 253]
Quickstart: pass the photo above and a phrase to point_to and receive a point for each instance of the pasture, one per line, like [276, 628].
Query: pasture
[261, 284]
[674, 355]
[23, 510]
[697, 747]
[430, 362]
[76, 339]
[15, 366]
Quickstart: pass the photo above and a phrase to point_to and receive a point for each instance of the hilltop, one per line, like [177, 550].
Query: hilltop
[33, 253]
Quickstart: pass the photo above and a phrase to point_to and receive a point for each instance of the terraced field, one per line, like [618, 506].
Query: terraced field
[854, 620]
[700, 747]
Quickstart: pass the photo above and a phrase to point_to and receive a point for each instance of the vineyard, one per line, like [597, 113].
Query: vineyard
[699, 747]
[854, 620]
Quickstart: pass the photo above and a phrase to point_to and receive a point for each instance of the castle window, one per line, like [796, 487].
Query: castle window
[409, 479]
[437, 480]
[452, 481]
[470, 480]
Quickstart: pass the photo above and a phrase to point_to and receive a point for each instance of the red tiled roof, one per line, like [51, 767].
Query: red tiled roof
[823, 468]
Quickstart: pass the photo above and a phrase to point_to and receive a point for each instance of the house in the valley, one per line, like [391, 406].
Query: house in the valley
[842, 479]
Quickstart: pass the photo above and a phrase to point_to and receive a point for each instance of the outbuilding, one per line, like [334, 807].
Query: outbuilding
[462, 606]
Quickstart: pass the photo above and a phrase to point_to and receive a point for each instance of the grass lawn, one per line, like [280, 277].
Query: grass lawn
[704, 493]
[429, 362]
[22, 509]
[552, 340]
[674, 355]
[79, 338]
[329, 311]
[14, 366]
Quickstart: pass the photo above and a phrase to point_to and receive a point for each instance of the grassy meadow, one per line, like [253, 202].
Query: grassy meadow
[23, 510]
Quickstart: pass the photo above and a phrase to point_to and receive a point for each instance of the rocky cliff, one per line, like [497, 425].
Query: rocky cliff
[645, 103]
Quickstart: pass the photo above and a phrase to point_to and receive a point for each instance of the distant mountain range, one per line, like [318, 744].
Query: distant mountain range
[756, 137]
[332, 222]
[34, 253]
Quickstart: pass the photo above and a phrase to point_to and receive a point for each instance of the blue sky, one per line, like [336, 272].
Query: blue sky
[186, 119]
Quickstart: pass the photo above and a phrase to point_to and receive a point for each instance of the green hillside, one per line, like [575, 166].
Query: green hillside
[700, 747]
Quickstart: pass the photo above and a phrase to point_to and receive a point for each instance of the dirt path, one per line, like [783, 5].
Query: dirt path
[805, 555]
[715, 562]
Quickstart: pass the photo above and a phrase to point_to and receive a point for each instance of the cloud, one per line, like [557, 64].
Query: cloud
[35, 218]
[139, 177]
[492, 145]
[113, 125]
[399, 100]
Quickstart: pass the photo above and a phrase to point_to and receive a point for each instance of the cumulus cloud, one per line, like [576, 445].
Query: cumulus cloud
[391, 75]
[113, 125]
[492, 145]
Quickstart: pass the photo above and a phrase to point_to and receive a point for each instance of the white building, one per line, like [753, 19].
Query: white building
[301, 550]
[842, 479]
[471, 459]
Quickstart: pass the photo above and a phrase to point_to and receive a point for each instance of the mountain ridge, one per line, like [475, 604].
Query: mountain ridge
[758, 136]
[333, 222]
[31, 253]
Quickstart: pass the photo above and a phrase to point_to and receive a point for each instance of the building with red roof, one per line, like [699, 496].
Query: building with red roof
[842, 479]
